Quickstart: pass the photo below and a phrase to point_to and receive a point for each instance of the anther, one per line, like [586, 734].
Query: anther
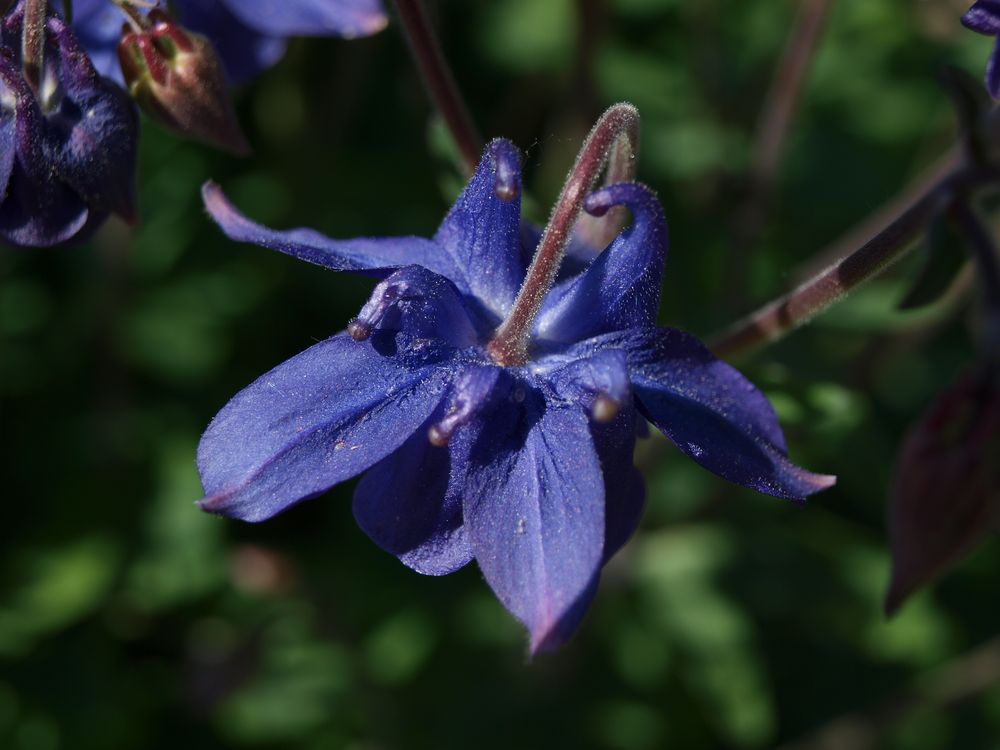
[507, 184]
[605, 408]
[359, 330]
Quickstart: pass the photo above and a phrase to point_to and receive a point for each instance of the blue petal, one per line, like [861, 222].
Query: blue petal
[993, 71]
[534, 512]
[245, 49]
[377, 255]
[98, 26]
[420, 303]
[481, 233]
[621, 288]
[410, 503]
[984, 17]
[711, 412]
[94, 131]
[323, 416]
[38, 210]
[8, 136]
[605, 373]
[346, 18]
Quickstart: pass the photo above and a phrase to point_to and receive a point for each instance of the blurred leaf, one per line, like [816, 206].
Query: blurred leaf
[942, 256]
[182, 555]
[521, 35]
[58, 586]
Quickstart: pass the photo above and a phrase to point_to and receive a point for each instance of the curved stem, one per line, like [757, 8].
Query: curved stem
[619, 122]
[440, 82]
[598, 231]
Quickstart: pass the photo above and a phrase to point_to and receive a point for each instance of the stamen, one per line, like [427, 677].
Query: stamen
[508, 174]
[509, 346]
[605, 408]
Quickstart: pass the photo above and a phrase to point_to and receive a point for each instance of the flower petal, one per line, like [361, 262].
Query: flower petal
[98, 26]
[38, 210]
[621, 288]
[345, 18]
[245, 49]
[984, 17]
[378, 255]
[482, 231]
[419, 302]
[534, 512]
[992, 77]
[319, 418]
[95, 130]
[583, 381]
[8, 136]
[410, 503]
[711, 412]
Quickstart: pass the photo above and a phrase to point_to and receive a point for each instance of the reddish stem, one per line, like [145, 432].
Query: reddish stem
[775, 319]
[509, 346]
[33, 43]
[440, 82]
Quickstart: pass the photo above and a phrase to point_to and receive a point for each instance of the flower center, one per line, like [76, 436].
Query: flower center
[618, 125]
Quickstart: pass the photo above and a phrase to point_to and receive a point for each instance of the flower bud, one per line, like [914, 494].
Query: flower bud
[946, 494]
[176, 77]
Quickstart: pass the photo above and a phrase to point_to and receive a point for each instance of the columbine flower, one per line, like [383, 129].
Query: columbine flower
[523, 463]
[248, 34]
[984, 17]
[67, 144]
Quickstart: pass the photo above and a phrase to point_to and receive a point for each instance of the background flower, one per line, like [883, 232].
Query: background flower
[248, 34]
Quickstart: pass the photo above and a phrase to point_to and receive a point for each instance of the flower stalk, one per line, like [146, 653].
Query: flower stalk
[33, 43]
[440, 82]
[619, 123]
[786, 313]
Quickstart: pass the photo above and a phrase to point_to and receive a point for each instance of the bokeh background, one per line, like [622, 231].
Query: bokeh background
[129, 619]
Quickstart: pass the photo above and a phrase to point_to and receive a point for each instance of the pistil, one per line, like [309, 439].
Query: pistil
[509, 346]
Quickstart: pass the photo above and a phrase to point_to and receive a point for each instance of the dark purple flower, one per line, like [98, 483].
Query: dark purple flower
[67, 151]
[984, 17]
[945, 496]
[526, 469]
[248, 34]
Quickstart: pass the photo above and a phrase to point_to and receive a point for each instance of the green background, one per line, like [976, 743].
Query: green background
[129, 619]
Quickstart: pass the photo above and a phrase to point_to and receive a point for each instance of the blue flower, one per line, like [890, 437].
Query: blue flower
[984, 17]
[525, 468]
[67, 151]
[249, 35]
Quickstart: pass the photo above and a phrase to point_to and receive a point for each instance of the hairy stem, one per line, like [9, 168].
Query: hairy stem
[439, 81]
[33, 43]
[510, 342]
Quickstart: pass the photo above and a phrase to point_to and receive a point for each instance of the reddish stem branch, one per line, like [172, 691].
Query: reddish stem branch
[777, 318]
[783, 96]
[439, 81]
[621, 121]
